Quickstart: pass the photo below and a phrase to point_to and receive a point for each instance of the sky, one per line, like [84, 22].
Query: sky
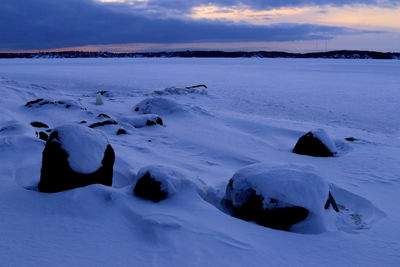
[159, 25]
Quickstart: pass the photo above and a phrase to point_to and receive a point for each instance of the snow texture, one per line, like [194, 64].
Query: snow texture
[84, 146]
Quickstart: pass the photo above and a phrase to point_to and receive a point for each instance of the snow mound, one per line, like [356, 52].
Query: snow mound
[85, 147]
[12, 127]
[356, 213]
[325, 139]
[292, 185]
[143, 120]
[170, 180]
[159, 105]
[180, 91]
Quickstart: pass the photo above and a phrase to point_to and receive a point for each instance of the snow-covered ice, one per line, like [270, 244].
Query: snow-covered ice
[252, 113]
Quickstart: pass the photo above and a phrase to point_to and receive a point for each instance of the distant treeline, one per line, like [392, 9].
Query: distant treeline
[354, 54]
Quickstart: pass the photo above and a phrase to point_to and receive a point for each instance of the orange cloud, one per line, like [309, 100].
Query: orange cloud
[361, 16]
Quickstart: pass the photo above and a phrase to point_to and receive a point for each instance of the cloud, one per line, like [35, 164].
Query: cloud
[44, 24]
[185, 5]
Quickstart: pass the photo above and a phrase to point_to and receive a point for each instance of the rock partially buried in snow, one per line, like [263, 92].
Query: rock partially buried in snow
[40, 102]
[144, 120]
[315, 143]
[76, 156]
[277, 197]
[158, 105]
[158, 182]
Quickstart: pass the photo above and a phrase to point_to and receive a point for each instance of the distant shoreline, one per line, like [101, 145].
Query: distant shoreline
[341, 54]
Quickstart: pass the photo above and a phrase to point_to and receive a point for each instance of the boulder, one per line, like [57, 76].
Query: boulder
[158, 182]
[159, 105]
[75, 156]
[315, 143]
[276, 197]
[140, 121]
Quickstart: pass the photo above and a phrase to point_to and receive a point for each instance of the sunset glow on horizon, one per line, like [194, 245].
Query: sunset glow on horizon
[148, 25]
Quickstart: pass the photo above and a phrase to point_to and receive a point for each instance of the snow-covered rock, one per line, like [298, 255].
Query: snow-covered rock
[315, 143]
[277, 196]
[76, 156]
[180, 91]
[159, 182]
[158, 105]
[140, 121]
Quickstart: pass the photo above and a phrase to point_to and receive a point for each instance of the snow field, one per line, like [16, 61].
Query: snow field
[254, 112]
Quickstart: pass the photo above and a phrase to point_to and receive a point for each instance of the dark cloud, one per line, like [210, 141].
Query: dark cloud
[186, 5]
[43, 24]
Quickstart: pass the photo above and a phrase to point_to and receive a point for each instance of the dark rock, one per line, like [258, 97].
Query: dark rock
[83, 122]
[107, 122]
[43, 136]
[350, 139]
[30, 103]
[310, 145]
[102, 115]
[121, 131]
[195, 86]
[152, 122]
[331, 202]
[48, 130]
[45, 102]
[253, 210]
[149, 188]
[136, 109]
[57, 174]
[39, 124]
[42, 102]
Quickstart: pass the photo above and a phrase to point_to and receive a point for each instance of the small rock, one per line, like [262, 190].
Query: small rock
[39, 124]
[108, 122]
[30, 103]
[121, 131]
[43, 136]
[316, 144]
[149, 188]
[102, 115]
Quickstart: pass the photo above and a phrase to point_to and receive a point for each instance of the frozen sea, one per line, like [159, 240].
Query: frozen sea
[252, 112]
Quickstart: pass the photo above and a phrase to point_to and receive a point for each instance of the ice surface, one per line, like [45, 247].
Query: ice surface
[254, 111]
